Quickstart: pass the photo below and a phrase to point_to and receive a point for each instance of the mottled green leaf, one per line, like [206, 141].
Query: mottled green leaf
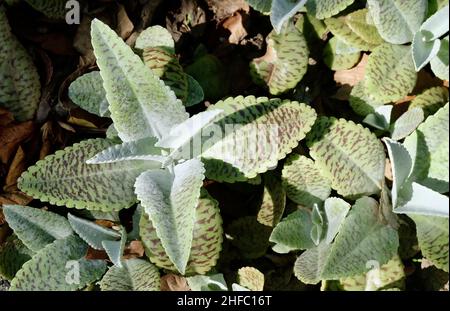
[327, 8]
[135, 275]
[293, 232]
[64, 179]
[155, 36]
[262, 6]
[337, 60]
[35, 227]
[303, 181]
[59, 266]
[88, 93]
[283, 10]
[206, 241]
[51, 8]
[431, 100]
[92, 233]
[428, 147]
[273, 201]
[407, 123]
[285, 62]
[432, 233]
[349, 155]
[141, 105]
[398, 20]
[253, 136]
[362, 102]
[13, 254]
[143, 149]
[390, 73]
[170, 200]
[251, 278]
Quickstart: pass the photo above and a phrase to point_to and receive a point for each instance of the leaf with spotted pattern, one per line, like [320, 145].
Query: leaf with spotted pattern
[50, 268]
[206, 240]
[55, 9]
[135, 275]
[13, 254]
[327, 8]
[285, 62]
[273, 202]
[431, 100]
[141, 105]
[251, 278]
[64, 179]
[349, 155]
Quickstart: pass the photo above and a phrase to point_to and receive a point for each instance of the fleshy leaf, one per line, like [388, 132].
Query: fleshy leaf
[64, 179]
[423, 52]
[362, 239]
[115, 249]
[92, 233]
[303, 181]
[143, 149]
[170, 200]
[20, 89]
[348, 155]
[141, 105]
[253, 136]
[88, 93]
[283, 10]
[440, 64]
[59, 266]
[155, 36]
[437, 25]
[390, 73]
[407, 123]
[362, 102]
[327, 8]
[398, 20]
[273, 201]
[55, 9]
[431, 100]
[13, 254]
[340, 61]
[35, 227]
[206, 242]
[204, 283]
[135, 275]
[432, 233]
[380, 118]
[335, 212]
[285, 62]
[293, 232]
[251, 278]
[428, 147]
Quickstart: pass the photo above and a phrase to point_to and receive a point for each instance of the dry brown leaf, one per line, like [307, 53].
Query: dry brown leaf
[124, 24]
[225, 8]
[105, 223]
[388, 170]
[134, 250]
[174, 283]
[11, 136]
[2, 217]
[234, 24]
[352, 76]
[15, 197]
[17, 167]
[93, 254]
[6, 117]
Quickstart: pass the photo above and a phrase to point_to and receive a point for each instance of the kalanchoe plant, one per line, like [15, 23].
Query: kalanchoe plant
[351, 197]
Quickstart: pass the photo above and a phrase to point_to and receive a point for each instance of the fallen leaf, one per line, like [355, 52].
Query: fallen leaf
[124, 24]
[134, 250]
[174, 283]
[11, 136]
[93, 254]
[17, 167]
[225, 8]
[6, 117]
[105, 223]
[234, 24]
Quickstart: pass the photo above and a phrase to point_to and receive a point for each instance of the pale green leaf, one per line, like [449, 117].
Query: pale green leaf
[303, 181]
[437, 25]
[144, 149]
[390, 73]
[253, 136]
[349, 155]
[92, 233]
[362, 102]
[64, 179]
[115, 249]
[283, 10]
[380, 118]
[432, 233]
[440, 64]
[336, 59]
[204, 283]
[335, 212]
[251, 278]
[262, 6]
[285, 62]
[431, 100]
[60, 266]
[135, 275]
[155, 36]
[206, 241]
[398, 20]
[309, 266]
[141, 105]
[88, 93]
[35, 227]
[424, 51]
[13, 254]
[327, 8]
[407, 123]
[293, 232]
[273, 202]
[170, 200]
